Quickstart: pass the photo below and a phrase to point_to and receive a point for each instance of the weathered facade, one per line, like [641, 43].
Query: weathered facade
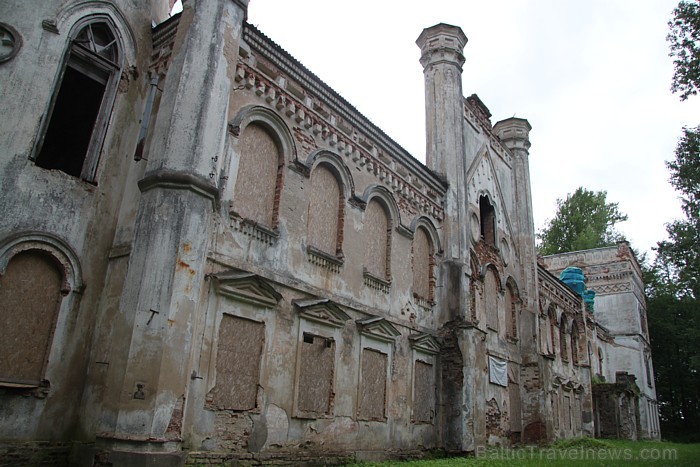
[208, 254]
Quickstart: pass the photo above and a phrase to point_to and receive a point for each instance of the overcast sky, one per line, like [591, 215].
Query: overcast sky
[591, 77]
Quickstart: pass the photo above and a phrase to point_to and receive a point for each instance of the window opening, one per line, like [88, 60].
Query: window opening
[487, 214]
[79, 112]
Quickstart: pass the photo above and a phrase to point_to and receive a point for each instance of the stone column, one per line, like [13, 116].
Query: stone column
[514, 134]
[442, 59]
[171, 237]
[441, 56]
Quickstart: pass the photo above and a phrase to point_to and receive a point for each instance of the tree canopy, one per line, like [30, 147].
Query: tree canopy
[684, 38]
[583, 220]
[673, 283]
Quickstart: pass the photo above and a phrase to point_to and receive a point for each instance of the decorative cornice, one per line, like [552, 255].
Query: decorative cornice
[333, 119]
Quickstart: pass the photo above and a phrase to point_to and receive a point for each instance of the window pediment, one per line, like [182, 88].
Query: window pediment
[378, 328]
[425, 343]
[321, 310]
[247, 287]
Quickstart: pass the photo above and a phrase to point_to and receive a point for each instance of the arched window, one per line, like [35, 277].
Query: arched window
[377, 231]
[75, 124]
[562, 339]
[552, 318]
[423, 265]
[574, 342]
[487, 214]
[491, 298]
[30, 296]
[326, 212]
[511, 303]
[259, 179]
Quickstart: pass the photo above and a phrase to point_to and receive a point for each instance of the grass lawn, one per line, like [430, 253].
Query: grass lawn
[573, 452]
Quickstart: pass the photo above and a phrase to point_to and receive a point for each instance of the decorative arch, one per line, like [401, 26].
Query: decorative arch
[84, 91]
[38, 272]
[563, 324]
[491, 298]
[487, 218]
[386, 198]
[490, 266]
[553, 326]
[326, 212]
[430, 228]
[270, 120]
[53, 246]
[575, 336]
[513, 303]
[70, 15]
[337, 166]
[264, 142]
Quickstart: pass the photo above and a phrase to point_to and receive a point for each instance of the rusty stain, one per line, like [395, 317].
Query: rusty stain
[171, 322]
[187, 247]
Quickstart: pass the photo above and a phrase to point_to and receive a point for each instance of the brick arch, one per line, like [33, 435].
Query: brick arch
[553, 325]
[272, 122]
[377, 227]
[263, 142]
[52, 245]
[335, 164]
[491, 298]
[41, 281]
[513, 303]
[430, 228]
[386, 199]
[563, 331]
[326, 212]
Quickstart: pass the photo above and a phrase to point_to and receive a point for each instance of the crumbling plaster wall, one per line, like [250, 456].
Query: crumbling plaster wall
[43, 202]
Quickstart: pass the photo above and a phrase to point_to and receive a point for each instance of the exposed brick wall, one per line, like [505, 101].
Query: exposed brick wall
[37, 453]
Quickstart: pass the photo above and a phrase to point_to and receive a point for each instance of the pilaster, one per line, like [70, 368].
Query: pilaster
[179, 192]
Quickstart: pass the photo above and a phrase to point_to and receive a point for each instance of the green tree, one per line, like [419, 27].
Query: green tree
[583, 220]
[684, 38]
[673, 283]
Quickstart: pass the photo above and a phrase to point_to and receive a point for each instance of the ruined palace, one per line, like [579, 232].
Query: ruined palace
[207, 255]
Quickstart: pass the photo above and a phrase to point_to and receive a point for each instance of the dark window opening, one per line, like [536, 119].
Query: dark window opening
[487, 214]
[69, 132]
[74, 127]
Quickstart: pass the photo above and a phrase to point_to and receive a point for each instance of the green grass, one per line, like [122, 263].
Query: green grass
[572, 452]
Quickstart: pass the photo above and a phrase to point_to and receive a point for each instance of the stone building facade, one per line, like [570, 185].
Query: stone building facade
[208, 254]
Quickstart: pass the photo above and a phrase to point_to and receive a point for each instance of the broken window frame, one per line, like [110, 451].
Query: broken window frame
[87, 60]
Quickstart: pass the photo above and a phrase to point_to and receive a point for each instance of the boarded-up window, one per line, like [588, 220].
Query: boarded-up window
[574, 342]
[422, 265]
[238, 363]
[373, 387]
[514, 399]
[325, 205]
[30, 294]
[377, 240]
[423, 392]
[511, 304]
[567, 412]
[257, 180]
[562, 339]
[491, 299]
[552, 318]
[316, 374]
